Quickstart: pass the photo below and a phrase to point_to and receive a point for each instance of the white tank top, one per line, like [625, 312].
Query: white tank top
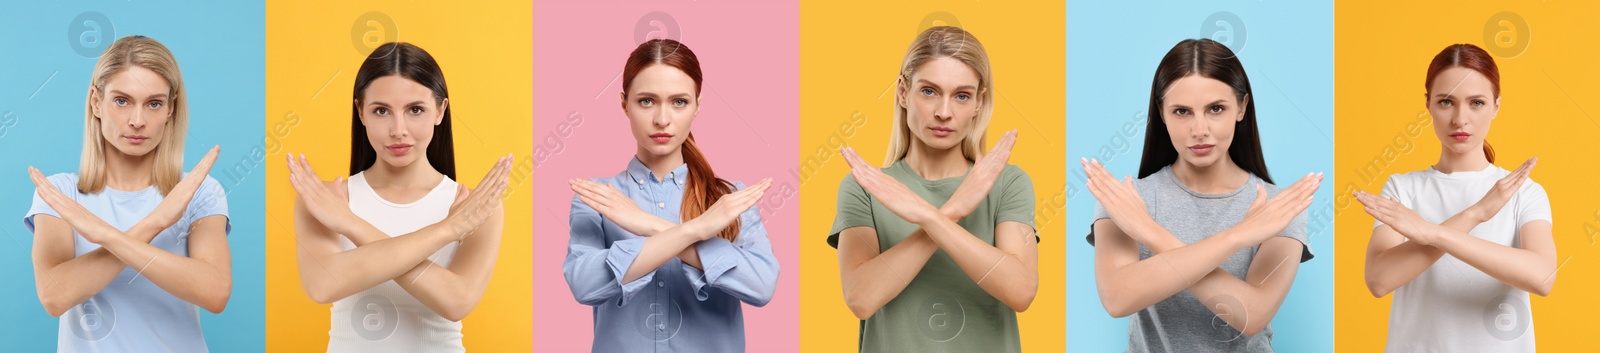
[385, 318]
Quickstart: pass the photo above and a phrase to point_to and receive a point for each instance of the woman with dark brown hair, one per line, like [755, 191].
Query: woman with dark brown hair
[1462, 243]
[665, 251]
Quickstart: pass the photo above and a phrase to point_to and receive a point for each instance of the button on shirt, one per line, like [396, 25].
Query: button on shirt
[676, 308]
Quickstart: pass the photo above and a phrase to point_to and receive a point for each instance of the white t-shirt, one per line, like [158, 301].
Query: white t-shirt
[1452, 306]
[385, 318]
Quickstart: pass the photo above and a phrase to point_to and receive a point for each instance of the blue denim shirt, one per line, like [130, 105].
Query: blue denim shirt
[675, 308]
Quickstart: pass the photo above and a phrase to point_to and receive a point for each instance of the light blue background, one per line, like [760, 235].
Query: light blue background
[219, 47]
[1112, 51]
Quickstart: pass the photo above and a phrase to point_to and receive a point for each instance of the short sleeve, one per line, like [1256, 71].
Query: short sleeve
[1016, 202]
[209, 200]
[1532, 204]
[66, 182]
[1297, 227]
[853, 209]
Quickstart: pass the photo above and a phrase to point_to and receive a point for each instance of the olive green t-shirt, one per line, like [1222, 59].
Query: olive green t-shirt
[942, 310]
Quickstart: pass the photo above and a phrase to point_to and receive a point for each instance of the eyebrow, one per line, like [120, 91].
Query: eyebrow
[121, 93]
[958, 88]
[1215, 102]
[652, 94]
[387, 104]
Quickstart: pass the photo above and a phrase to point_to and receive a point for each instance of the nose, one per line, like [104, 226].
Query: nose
[137, 121]
[1202, 128]
[945, 111]
[1457, 119]
[662, 118]
[399, 129]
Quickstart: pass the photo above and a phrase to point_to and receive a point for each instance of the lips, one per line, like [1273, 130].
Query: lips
[941, 131]
[661, 137]
[399, 149]
[1202, 149]
[136, 139]
[1461, 136]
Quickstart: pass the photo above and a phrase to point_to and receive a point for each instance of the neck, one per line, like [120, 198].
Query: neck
[128, 173]
[1451, 162]
[419, 174]
[935, 164]
[1220, 177]
[662, 164]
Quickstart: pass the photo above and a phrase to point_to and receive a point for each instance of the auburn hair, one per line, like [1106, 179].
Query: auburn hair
[704, 188]
[1471, 57]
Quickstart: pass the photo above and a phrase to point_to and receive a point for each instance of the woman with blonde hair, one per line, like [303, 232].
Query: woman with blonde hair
[947, 278]
[131, 242]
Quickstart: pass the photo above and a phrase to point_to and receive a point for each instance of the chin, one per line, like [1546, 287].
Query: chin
[1202, 161]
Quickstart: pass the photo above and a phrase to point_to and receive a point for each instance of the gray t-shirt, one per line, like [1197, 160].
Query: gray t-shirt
[1181, 323]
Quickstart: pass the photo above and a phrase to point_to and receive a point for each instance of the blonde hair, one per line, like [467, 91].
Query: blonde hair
[944, 42]
[147, 53]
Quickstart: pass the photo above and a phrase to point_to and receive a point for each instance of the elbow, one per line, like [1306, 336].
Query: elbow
[217, 300]
[321, 295]
[862, 310]
[1115, 307]
[455, 312]
[1376, 286]
[1021, 301]
[55, 306]
[1252, 328]
[1543, 289]
[761, 298]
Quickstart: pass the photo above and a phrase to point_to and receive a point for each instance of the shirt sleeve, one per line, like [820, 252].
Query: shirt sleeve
[594, 269]
[853, 209]
[744, 268]
[1532, 204]
[1016, 202]
[209, 200]
[64, 182]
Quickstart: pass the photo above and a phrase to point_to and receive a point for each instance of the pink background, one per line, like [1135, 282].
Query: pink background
[747, 128]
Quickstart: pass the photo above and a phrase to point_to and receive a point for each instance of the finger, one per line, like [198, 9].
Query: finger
[1261, 196]
[206, 162]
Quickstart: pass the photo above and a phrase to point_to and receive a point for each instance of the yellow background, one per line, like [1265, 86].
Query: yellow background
[485, 50]
[850, 54]
[1382, 51]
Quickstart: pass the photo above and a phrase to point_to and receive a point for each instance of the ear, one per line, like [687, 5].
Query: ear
[94, 102]
[357, 104]
[1244, 104]
[900, 92]
[443, 106]
[623, 96]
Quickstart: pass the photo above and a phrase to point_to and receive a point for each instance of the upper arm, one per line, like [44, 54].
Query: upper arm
[53, 242]
[1274, 266]
[857, 245]
[1017, 239]
[1537, 236]
[208, 241]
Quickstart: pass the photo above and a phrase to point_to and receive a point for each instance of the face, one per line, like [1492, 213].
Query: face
[660, 104]
[1462, 104]
[133, 110]
[941, 99]
[399, 115]
[1200, 114]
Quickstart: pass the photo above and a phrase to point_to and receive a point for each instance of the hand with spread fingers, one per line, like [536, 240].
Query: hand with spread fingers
[471, 207]
[980, 179]
[890, 192]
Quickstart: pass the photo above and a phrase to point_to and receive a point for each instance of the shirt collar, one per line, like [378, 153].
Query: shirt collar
[642, 174]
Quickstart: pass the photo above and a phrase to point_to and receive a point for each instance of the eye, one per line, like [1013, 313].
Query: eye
[380, 111]
[1180, 111]
[1216, 109]
[680, 102]
[1478, 103]
[646, 102]
[156, 104]
[416, 110]
[927, 91]
[963, 96]
[1446, 103]
[120, 101]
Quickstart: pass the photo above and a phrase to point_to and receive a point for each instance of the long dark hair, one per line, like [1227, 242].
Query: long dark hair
[1471, 57]
[1209, 59]
[704, 187]
[412, 63]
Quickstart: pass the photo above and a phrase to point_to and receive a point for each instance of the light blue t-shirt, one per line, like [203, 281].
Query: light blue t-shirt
[132, 314]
